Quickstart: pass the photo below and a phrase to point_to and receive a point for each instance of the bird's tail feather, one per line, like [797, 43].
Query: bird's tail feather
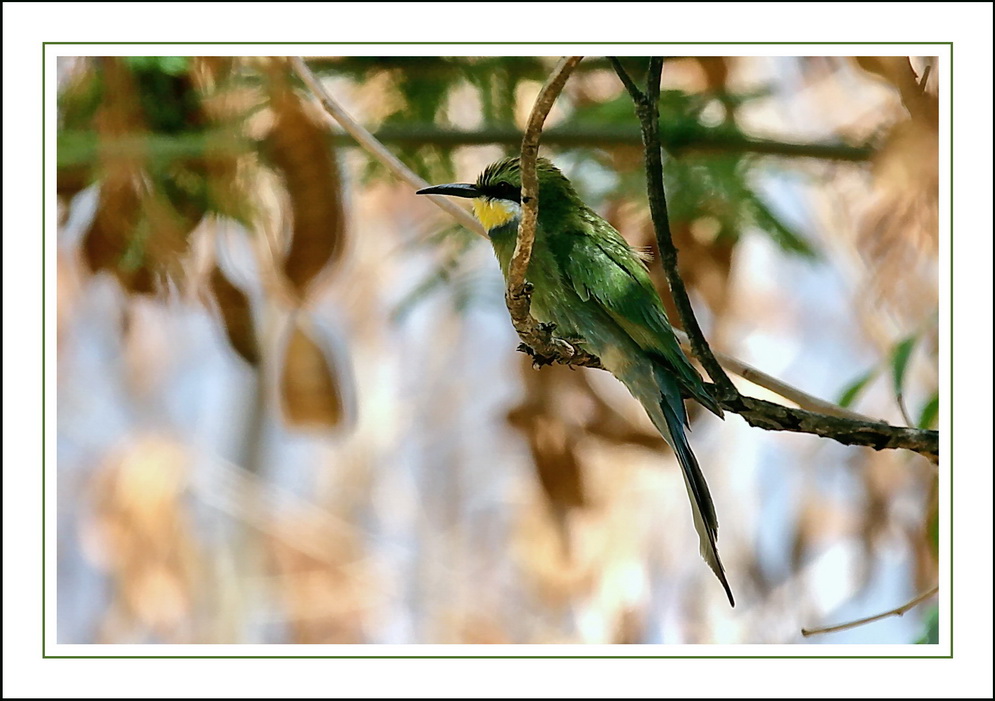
[702, 509]
[662, 401]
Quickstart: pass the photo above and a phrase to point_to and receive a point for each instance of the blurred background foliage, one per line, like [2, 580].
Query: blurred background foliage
[363, 457]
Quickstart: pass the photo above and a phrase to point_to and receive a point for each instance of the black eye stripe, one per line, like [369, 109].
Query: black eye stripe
[502, 191]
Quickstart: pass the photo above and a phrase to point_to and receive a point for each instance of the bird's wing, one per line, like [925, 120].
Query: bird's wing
[603, 268]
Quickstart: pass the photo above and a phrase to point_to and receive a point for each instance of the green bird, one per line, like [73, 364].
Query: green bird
[596, 290]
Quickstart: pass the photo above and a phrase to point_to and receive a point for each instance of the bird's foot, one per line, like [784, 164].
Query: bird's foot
[538, 360]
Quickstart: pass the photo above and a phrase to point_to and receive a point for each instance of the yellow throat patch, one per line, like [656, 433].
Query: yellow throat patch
[494, 213]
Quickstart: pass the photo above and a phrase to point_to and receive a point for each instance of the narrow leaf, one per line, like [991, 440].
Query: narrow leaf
[900, 361]
[849, 395]
[782, 234]
[899, 364]
[929, 413]
[931, 635]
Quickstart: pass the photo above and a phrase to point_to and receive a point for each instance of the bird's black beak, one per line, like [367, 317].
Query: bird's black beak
[453, 190]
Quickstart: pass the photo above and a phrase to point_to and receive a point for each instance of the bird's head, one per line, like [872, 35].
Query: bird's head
[497, 193]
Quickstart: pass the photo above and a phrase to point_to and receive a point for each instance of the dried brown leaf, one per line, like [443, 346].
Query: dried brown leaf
[137, 233]
[106, 241]
[300, 148]
[716, 70]
[310, 391]
[212, 70]
[236, 313]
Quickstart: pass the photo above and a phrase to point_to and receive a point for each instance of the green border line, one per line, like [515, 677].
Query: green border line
[950, 399]
[43, 236]
[950, 447]
[502, 43]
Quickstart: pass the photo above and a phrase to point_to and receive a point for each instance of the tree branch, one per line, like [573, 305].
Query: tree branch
[757, 412]
[697, 140]
[538, 339]
[872, 434]
[901, 610]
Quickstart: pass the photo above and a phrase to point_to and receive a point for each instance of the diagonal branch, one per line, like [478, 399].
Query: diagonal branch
[878, 435]
[377, 149]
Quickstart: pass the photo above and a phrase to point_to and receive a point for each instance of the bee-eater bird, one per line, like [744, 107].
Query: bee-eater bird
[596, 290]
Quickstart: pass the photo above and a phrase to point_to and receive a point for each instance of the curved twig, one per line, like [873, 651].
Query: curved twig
[901, 610]
[537, 338]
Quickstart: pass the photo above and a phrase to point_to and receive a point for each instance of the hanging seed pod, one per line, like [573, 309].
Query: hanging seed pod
[109, 237]
[310, 390]
[236, 313]
[300, 149]
[149, 203]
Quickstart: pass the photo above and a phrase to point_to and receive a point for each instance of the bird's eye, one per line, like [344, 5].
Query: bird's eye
[508, 191]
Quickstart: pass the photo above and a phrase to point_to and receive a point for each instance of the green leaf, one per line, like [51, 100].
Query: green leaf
[849, 395]
[931, 636]
[933, 530]
[171, 65]
[784, 236]
[900, 362]
[929, 413]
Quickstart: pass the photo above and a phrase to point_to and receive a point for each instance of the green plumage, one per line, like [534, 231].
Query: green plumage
[596, 289]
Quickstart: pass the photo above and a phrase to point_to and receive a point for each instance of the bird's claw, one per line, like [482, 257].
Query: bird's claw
[538, 360]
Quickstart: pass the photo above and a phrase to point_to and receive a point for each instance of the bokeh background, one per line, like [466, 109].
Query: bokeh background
[290, 408]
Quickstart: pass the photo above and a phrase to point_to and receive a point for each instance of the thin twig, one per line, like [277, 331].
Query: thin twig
[925, 76]
[375, 148]
[761, 379]
[530, 181]
[900, 399]
[901, 610]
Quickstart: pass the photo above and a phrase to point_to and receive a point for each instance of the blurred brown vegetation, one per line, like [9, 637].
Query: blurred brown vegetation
[371, 463]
